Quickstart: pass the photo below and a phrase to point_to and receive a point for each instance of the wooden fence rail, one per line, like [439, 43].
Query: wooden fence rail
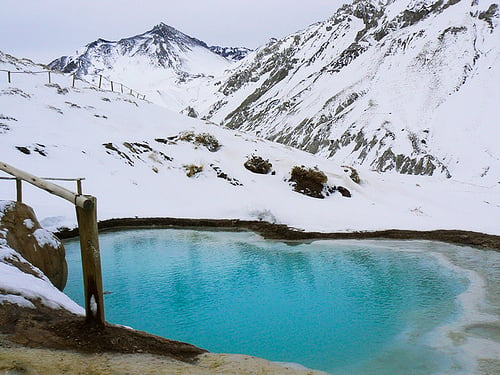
[132, 92]
[19, 185]
[86, 213]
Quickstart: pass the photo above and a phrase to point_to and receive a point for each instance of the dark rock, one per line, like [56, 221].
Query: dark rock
[24, 150]
[343, 191]
[309, 181]
[353, 173]
[257, 164]
[223, 175]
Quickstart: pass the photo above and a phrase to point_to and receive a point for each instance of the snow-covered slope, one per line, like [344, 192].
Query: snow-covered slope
[151, 62]
[136, 157]
[405, 85]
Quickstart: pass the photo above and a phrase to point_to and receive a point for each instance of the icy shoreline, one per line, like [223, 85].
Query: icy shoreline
[283, 232]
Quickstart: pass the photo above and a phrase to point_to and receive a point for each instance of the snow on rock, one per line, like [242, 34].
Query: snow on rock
[21, 283]
[18, 287]
[16, 300]
[28, 223]
[400, 85]
[151, 63]
[5, 206]
[44, 237]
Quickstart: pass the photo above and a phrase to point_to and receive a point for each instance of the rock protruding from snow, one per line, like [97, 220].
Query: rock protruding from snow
[21, 231]
[231, 53]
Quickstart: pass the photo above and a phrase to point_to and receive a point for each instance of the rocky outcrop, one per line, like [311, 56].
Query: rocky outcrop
[21, 231]
[257, 164]
[309, 181]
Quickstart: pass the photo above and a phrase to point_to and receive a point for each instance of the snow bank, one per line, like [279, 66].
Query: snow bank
[21, 288]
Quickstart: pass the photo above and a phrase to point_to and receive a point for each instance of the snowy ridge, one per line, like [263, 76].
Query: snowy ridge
[137, 158]
[392, 85]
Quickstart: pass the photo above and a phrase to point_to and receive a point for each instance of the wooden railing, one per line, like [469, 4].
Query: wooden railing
[114, 86]
[86, 213]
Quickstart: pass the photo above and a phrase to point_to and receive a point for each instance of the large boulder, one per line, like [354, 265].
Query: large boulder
[257, 164]
[310, 181]
[21, 231]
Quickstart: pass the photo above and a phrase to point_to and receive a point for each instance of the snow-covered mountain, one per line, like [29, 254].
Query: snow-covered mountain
[140, 159]
[152, 62]
[405, 85]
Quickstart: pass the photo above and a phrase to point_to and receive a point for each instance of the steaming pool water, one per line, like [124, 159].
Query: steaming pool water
[343, 307]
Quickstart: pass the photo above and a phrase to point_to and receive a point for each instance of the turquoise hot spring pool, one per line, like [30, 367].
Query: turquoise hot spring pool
[343, 307]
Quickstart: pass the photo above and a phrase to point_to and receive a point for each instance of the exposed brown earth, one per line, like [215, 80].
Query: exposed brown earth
[43, 341]
[285, 233]
[58, 329]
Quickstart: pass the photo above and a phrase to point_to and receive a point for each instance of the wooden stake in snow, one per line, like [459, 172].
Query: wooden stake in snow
[91, 263]
[86, 213]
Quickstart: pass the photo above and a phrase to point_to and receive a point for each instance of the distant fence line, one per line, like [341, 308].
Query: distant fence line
[113, 85]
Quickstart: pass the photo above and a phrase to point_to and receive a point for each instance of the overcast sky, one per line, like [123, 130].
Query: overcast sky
[43, 30]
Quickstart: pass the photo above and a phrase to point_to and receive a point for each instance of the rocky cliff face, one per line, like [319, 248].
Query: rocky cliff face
[231, 53]
[21, 231]
[393, 85]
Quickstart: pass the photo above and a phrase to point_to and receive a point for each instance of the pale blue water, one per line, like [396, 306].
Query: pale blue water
[344, 308]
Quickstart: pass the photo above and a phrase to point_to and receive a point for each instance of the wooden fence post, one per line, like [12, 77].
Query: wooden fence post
[49, 77]
[121, 84]
[100, 80]
[79, 186]
[19, 190]
[112, 86]
[91, 263]
[8, 76]
[74, 77]
[86, 214]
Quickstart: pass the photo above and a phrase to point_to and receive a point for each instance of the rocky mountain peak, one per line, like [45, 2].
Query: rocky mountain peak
[162, 47]
[165, 33]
